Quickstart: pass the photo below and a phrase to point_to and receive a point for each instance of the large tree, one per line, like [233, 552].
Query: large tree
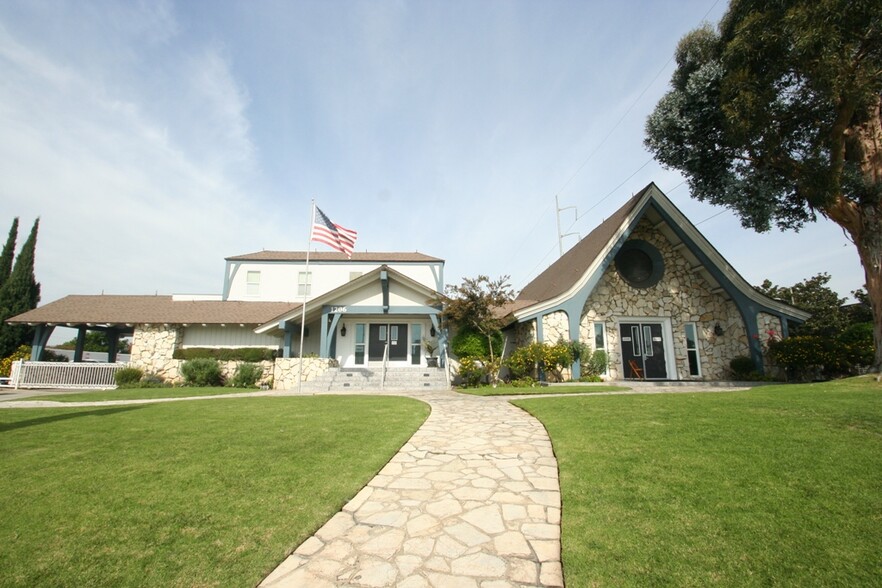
[19, 293]
[776, 115]
[812, 295]
[8, 253]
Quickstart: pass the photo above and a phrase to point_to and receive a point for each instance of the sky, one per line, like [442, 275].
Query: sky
[153, 139]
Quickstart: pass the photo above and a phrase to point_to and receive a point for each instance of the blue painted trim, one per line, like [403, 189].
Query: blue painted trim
[384, 281]
[41, 338]
[428, 310]
[81, 343]
[112, 344]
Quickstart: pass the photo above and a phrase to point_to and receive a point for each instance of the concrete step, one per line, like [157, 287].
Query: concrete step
[367, 379]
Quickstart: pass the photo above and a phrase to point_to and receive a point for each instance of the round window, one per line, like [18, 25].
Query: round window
[640, 264]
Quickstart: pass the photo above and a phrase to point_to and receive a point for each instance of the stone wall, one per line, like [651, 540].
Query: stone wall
[286, 370]
[555, 326]
[769, 328]
[682, 296]
[153, 348]
[525, 333]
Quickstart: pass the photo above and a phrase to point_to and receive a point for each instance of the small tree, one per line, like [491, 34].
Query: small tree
[477, 304]
[8, 253]
[812, 295]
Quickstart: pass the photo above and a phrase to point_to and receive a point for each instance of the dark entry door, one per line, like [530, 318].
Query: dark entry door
[643, 351]
[394, 335]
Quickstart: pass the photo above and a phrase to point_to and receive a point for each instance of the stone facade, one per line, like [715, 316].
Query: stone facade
[769, 328]
[153, 348]
[286, 370]
[555, 326]
[681, 296]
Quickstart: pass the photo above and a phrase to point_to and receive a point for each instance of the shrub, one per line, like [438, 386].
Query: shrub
[525, 362]
[202, 371]
[128, 377]
[523, 383]
[251, 354]
[470, 343]
[593, 364]
[153, 381]
[49, 355]
[806, 357]
[247, 375]
[742, 368]
[471, 372]
[856, 345]
[23, 352]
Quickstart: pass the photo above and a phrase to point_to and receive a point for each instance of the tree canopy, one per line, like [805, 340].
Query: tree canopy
[476, 303]
[776, 115]
[814, 296]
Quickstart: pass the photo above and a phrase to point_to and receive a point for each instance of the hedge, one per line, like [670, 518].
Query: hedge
[238, 354]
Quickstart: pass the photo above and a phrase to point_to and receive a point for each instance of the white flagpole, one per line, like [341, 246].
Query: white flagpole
[303, 305]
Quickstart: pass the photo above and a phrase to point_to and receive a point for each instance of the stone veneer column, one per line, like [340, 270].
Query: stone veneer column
[153, 348]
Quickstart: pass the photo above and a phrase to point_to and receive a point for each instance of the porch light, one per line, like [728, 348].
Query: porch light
[432, 331]
[343, 330]
[718, 330]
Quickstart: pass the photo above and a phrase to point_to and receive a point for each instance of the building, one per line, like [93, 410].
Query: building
[648, 288]
[373, 309]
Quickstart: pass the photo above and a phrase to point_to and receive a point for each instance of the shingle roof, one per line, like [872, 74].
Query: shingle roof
[561, 275]
[109, 309]
[371, 256]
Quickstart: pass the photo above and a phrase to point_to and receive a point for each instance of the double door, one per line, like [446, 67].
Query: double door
[643, 351]
[393, 336]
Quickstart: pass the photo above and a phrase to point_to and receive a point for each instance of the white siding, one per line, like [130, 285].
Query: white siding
[278, 280]
[231, 336]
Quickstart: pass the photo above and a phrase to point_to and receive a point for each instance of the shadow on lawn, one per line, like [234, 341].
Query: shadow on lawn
[63, 417]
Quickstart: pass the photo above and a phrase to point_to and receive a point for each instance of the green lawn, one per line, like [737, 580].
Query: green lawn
[139, 393]
[201, 493]
[513, 391]
[774, 486]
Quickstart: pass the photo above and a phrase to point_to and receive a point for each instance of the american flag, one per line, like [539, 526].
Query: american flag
[333, 235]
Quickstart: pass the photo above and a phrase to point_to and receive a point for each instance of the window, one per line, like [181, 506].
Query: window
[359, 344]
[252, 283]
[304, 283]
[600, 341]
[416, 337]
[692, 349]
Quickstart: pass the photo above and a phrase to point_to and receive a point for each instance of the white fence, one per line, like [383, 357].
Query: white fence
[52, 374]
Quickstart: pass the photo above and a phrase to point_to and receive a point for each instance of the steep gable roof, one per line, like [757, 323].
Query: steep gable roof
[587, 260]
[561, 275]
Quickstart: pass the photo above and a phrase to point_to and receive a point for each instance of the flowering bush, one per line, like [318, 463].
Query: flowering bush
[23, 352]
[526, 362]
[471, 371]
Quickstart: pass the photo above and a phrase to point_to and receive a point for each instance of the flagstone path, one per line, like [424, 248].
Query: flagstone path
[471, 501]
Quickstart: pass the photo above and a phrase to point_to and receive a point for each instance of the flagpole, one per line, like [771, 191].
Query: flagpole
[303, 305]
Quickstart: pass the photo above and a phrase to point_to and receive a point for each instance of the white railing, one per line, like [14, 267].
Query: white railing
[385, 366]
[446, 362]
[53, 374]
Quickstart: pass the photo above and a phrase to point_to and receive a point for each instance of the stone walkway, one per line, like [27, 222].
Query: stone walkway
[471, 501]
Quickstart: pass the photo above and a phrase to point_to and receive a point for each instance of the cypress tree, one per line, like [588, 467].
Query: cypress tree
[19, 293]
[8, 253]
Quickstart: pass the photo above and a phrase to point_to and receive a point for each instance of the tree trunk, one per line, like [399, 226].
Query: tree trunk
[862, 220]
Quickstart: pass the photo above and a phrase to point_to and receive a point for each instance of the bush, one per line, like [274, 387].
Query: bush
[523, 383]
[202, 371]
[593, 364]
[23, 352]
[470, 343]
[525, 362]
[128, 377]
[247, 375]
[807, 357]
[251, 354]
[471, 372]
[49, 355]
[743, 368]
[856, 344]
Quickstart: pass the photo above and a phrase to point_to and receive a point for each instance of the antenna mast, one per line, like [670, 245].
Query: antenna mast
[560, 235]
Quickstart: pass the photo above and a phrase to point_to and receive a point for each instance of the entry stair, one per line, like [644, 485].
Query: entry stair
[371, 379]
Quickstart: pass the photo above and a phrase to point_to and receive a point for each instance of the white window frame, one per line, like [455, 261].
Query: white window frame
[603, 348]
[304, 283]
[696, 349]
[252, 283]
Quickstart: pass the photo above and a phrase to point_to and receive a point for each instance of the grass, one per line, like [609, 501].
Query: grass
[513, 390]
[140, 393]
[774, 486]
[201, 493]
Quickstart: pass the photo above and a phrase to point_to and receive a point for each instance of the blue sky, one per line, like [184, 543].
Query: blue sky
[153, 139]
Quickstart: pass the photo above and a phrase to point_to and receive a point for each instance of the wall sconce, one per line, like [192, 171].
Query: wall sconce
[432, 331]
[718, 330]
[343, 330]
